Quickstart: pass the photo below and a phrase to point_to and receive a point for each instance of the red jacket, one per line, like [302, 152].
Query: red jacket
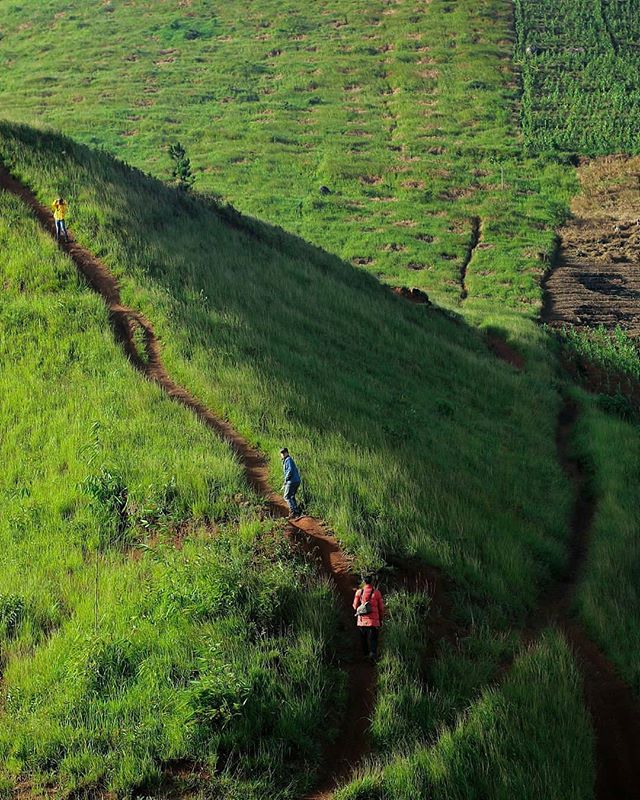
[374, 619]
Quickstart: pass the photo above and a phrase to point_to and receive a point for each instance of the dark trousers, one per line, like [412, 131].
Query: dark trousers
[290, 490]
[369, 641]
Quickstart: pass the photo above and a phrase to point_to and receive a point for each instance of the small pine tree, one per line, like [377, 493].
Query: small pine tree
[181, 172]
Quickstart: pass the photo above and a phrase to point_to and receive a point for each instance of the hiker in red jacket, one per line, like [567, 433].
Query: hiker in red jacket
[369, 608]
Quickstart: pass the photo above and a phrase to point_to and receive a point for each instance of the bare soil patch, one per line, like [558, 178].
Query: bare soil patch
[597, 277]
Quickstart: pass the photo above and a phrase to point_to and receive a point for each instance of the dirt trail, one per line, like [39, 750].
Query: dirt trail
[615, 711]
[596, 280]
[352, 742]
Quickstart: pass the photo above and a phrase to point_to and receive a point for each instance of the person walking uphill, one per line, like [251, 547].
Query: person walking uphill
[291, 482]
[60, 207]
[369, 607]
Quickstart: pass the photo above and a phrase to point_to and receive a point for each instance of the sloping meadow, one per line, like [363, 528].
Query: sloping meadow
[380, 131]
[413, 440]
[146, 614]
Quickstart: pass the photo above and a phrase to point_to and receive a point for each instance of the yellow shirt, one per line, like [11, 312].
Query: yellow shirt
[59, 210]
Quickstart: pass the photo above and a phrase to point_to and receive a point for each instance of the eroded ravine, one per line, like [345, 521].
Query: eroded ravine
[474, 241]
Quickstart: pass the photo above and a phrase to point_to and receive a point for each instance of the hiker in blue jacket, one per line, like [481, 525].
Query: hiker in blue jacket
[291, 482]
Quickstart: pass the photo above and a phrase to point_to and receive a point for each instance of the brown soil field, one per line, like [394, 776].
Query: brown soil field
[596, 280]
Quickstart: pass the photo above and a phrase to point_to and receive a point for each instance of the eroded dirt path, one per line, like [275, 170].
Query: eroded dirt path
[352, 742]
[597, 277]
[614, 709]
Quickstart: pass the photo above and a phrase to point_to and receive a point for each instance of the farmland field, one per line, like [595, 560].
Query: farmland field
[580, 63]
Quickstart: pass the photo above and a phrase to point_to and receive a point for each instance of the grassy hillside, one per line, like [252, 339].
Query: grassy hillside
[173, 623]
[508, 725]
[238, 327]
[608, 600]
[405, 111]
[580, 64]
[120, 652]
[418, 443]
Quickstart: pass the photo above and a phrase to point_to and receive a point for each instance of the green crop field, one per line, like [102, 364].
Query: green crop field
[580, 63]
[159, 633]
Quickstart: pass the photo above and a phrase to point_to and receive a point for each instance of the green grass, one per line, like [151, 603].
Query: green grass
[394, 468]
[615, 351]
[548, 730]
[120, 653]
[412, 438]
[417, 442]
[406, 111]
[579, 63]
[608, 600]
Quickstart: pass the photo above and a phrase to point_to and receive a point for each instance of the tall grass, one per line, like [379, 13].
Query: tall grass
[120, 653]
[396, 438]
[615, 351]
[534, 718]
[608, 600]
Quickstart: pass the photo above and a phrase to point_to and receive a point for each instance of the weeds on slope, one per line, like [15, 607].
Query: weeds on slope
[119, 651]
[615, 351]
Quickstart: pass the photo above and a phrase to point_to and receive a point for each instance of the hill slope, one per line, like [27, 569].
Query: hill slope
[448, 464]
[405, 111]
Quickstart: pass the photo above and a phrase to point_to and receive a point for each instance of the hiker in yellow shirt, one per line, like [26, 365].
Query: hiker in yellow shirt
[60, 207]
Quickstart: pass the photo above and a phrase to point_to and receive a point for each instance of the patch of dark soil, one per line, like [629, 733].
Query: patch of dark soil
[413, 295]
[504, 351]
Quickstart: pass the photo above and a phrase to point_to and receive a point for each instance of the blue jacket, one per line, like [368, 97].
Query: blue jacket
[291, 474]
